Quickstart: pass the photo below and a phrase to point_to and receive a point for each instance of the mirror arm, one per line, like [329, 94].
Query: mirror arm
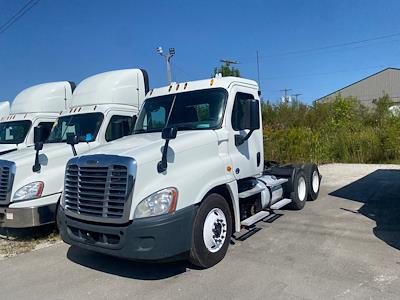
[37, 166]
[162, 164]
[74, 150]
[239, 140]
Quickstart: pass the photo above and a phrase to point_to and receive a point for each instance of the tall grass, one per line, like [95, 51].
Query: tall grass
[340, 131]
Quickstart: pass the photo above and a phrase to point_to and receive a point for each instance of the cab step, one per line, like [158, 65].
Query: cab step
[280, 203]
[255, 218]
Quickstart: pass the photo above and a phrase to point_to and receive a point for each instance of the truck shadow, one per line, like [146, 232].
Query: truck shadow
[380, 193]
[125, 268]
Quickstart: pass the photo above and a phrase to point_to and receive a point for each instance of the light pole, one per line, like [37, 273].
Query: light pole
[168, 56]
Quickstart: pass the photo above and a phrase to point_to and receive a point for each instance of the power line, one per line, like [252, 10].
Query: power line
[326, 73]
[18, 15]
[327, 47]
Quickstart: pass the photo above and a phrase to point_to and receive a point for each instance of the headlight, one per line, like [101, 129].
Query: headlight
[30, 191]
[159, 203]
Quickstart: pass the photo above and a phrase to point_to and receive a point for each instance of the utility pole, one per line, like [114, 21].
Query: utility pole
[228, 62]
[258, 72]
[286, 94]
[296, 96]
[168, 56]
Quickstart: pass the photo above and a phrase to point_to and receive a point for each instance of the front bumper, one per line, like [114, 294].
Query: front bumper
[153, 238]
[24, 217]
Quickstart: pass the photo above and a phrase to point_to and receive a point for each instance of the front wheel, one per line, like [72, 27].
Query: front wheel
[212, 231]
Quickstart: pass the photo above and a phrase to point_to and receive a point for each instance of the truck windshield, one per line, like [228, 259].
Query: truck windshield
[195, 110]
[14, 132]
[84, 126]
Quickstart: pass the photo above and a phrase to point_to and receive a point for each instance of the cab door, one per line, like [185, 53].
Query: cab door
[246, 157]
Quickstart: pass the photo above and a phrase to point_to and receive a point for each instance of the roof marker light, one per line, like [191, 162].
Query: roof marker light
[177, 86]
[79, 109]
[94, 108]
[170, 87]
[151, 91]
[185, 86]
[212, 82]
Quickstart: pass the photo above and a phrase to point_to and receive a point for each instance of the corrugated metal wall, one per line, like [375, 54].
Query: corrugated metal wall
[373, 87]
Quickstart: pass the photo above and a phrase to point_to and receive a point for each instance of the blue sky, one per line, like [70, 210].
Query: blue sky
[73, 39]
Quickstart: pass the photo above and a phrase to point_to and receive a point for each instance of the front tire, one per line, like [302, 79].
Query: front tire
[212, 231]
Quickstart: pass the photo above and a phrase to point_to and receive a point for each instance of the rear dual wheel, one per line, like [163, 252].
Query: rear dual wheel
[299, 190]
[313, 178]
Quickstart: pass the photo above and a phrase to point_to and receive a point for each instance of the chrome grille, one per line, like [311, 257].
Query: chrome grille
[4, 179]
[97, 192]
[7, 173]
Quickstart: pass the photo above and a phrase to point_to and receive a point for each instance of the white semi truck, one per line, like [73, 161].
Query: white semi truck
[190, 176]
[103, 108]
[38, 105]
[4, 108]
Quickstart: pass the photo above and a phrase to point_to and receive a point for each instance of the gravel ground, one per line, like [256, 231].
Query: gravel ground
[14, 243]
[345, 245]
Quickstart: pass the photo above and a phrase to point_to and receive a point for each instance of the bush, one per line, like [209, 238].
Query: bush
[340, 131]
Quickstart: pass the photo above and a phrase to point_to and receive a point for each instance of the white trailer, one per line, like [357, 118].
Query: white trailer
[190, 177]
[103, 108]
[39, 105]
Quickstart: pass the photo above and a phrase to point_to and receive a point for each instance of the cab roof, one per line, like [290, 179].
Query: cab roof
[43, 98]
[127, 87]
[218, 82]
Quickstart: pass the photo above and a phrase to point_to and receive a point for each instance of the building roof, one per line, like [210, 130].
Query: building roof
[354, 83]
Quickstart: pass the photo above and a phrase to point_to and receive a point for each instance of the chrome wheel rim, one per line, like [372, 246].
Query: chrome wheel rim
[315, 182]
[214, 230]
[301, 188]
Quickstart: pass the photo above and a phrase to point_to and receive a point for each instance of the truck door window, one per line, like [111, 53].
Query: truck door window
[109, 137]
[239, 113]
[47, 126]
[14, 132]
[84, 126]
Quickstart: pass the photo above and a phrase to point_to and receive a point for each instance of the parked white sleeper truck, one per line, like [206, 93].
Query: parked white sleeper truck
[102, 109]
[190, 176]
[4, 108]
[39, 105]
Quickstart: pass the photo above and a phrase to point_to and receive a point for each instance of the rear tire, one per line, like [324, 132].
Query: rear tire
[313, 178]
[212, 231]
[299, 191]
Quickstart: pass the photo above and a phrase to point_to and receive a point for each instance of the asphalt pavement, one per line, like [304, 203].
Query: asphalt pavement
[345, 245]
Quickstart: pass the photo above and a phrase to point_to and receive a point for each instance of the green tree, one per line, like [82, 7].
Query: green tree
[227, 70]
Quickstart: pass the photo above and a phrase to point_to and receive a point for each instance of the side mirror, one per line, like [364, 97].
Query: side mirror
[254, 114]
[38, 138]
[38, 135]
[252, 121]
[120, 129]
[117, 129]
[169, 133]
[134, 120]
[72, 140]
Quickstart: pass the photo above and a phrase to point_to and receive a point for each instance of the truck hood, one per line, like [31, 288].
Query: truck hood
[196, 159]
[148, 147]
[53, 158]
[7, 148]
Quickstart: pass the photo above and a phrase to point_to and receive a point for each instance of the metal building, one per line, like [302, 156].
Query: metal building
[371, 88]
